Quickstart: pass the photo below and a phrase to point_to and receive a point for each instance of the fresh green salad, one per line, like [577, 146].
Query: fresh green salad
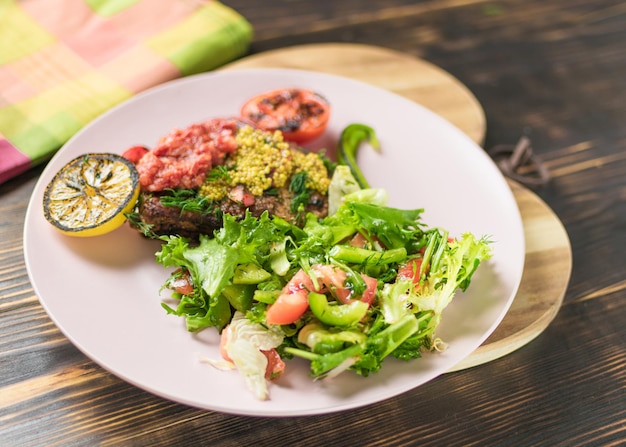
[344, 292]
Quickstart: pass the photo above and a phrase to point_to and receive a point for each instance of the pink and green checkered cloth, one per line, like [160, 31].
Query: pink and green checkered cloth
[64, 62]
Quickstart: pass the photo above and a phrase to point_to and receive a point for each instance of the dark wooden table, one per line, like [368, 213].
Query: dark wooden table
[552, 70]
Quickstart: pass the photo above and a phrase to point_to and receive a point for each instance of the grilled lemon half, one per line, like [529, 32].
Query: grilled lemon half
[91, 195]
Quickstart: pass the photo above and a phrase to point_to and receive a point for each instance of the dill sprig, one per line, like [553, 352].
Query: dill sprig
[188, 200]
[135, 220]
[219, 172]
[300, 191]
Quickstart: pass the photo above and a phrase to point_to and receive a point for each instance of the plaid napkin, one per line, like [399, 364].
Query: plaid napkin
[64, 62]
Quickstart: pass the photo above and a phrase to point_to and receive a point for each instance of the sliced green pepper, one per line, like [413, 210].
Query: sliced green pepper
[239, 296]
[343, 315]
[356, 255]
[250, 274]
[323, 341]
[266, 296]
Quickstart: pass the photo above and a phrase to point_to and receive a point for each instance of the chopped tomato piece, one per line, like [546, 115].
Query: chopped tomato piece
[240, 195]
[135, 153]
[223, 342]
[301, 115]
[288, 307]
[358, 241]
[275, 365]
[370, 292]
[411, 270]
[331, 279]
[181, 283]
[298, 282]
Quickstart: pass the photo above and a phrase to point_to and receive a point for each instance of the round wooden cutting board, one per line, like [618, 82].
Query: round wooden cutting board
[548, 261]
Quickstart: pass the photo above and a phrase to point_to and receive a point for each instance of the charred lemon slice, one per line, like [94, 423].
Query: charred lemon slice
[91, 194]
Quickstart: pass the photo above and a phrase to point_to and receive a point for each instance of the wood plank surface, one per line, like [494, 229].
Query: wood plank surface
[552, 70]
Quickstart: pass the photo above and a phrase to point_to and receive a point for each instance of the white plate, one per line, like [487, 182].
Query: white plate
[103, 292]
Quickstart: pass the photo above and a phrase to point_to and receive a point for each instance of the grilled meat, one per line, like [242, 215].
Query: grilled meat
[172, 220]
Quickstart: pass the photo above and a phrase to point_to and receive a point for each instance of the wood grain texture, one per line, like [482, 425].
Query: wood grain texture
[549, 69]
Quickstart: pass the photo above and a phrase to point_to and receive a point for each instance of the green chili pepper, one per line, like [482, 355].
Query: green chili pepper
[351, 138]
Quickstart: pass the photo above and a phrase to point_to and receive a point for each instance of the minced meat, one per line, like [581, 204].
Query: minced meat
[182, 158]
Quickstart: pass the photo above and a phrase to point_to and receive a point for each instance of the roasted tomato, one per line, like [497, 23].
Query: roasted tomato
[301, 115]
